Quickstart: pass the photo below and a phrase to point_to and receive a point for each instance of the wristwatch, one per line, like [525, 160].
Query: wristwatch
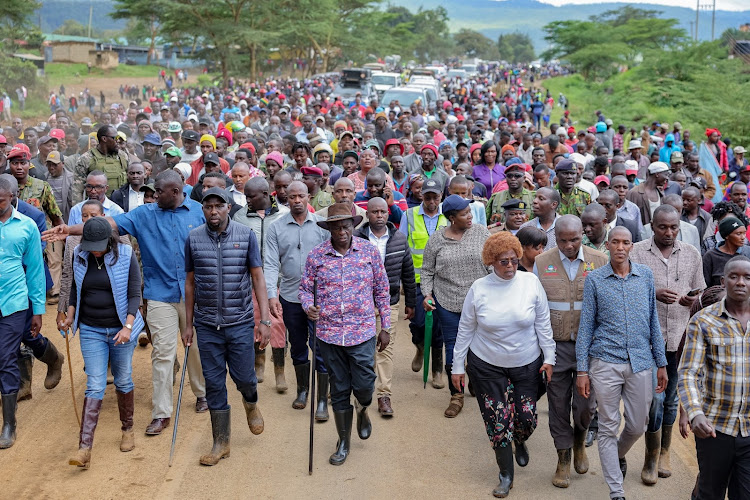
[266, 322]
[129, 326]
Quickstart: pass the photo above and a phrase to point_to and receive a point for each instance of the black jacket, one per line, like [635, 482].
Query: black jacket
[631, 225]
[398, 264]
[121, 196]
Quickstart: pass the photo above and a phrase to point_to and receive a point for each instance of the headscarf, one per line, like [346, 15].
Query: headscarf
[710, 131]
[507, 147]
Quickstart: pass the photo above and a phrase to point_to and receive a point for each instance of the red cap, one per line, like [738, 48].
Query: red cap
[57, 133]
[247, 145]
[602, 178]
[3, 140]
[311, 171]
[20, 150]
[571, 130]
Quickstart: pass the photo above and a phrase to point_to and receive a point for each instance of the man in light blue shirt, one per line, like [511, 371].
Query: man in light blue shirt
[96, 189]
[20, 247]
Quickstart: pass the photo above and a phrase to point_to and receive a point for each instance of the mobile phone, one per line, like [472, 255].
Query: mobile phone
[694, 292]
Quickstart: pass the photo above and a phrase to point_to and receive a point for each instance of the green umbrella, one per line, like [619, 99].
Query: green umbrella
[427, 344]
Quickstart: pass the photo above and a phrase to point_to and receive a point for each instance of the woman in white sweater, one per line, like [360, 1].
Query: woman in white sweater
[506, 337]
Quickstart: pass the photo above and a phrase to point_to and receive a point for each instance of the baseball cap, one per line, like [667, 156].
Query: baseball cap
[54, 157]
[218, 192]
[3, 140]
[454, 202]
[44, 140]
[431, 186]
[204, 121]
[57, 133]
[96, 234]
[173, 151]
[676, 157]
[149, 187]
[86, 121]
[601, 178]
[211, 158]
[174, 127]
[657, 167]
[190, 135]
[631, 167]
[152, 138]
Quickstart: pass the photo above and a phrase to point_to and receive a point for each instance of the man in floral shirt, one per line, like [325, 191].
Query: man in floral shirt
[352, 282]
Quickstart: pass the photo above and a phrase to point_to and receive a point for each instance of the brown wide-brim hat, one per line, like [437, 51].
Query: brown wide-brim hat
[340, 211]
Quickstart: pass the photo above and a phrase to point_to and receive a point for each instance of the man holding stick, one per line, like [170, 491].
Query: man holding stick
[223, 266]
[352, 283]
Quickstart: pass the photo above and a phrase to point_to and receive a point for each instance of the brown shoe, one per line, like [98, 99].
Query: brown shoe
[384, 406]
[156, 426]
[201, 405]
[254, 418]
[455, 406]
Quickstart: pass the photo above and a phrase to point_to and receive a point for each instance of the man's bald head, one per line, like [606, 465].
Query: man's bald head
[257, 184]
[283, 175]
[343, 182]
[297, 186]
[620, 232]
[569, 222]
[375, 203]
[594, 210]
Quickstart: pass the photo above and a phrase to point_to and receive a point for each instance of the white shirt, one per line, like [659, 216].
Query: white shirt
[379, 242]
[503, 336]
[135, 198]
[590, 188]
[238, 197]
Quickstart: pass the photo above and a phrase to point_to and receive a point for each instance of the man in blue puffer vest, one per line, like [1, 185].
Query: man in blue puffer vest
[223, 265]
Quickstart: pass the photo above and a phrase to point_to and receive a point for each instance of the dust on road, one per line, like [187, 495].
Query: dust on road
[416, 454]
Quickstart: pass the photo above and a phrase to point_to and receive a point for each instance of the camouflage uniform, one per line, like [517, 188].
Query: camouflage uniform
[602, 248]
[573, 203]
[495, 205]
[39, 194]
[115, 167]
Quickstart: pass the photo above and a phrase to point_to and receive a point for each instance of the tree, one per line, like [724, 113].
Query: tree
[15, 21]
[147, 14]
[516, 47]
[473, 44]
[71, 27]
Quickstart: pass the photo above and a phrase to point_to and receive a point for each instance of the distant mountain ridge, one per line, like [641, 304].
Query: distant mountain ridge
[491, 17]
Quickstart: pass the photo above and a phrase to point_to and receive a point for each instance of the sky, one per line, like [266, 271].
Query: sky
[720, 4]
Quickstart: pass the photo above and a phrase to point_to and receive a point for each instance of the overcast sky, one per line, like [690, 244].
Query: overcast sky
[720, 4]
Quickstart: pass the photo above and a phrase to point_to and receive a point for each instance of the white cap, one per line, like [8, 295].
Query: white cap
[578, 158]
[635, 144]
[657, 167]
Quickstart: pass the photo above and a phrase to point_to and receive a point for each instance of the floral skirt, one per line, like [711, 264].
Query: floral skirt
[507, 398]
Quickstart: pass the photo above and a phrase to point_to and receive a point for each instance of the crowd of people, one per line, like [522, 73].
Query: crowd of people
[598, 265]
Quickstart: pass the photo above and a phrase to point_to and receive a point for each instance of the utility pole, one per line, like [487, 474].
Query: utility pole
[713, 20]
[91, 14]
[697, 14]
[692, 23]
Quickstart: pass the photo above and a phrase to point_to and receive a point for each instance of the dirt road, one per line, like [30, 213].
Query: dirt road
[417, 454]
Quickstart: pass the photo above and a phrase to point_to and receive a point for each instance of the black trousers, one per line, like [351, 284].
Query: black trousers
[350, 370]
[723, 463]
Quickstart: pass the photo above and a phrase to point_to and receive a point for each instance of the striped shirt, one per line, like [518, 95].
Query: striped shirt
[714, 370]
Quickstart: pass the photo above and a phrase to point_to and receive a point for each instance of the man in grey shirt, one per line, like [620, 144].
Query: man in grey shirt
[288, 242]
[61, 181]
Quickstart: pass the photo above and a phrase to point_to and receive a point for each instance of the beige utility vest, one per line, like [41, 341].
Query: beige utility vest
[565, 297]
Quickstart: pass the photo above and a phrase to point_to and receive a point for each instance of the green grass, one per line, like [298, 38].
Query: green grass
[67, 73]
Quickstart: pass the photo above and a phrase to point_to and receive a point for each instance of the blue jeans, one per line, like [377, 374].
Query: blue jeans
[231, 346]
[664, 406]
[98, 348]
[449, 324]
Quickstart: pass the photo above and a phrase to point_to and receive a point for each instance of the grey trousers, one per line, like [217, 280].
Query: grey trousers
[563, 397]
[613, 383]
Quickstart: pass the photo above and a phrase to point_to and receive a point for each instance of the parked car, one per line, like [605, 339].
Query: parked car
[405, 96]
[385, 81]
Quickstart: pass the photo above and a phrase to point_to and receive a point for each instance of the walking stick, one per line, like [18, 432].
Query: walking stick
[70, 369]
[312, 376]
[179, 403]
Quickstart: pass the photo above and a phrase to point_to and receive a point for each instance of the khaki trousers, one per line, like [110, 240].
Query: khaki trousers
[54, 262]
[384, 360]
[166, 321]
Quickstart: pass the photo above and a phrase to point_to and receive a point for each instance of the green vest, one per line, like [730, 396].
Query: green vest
[113, 166]
[417, 237]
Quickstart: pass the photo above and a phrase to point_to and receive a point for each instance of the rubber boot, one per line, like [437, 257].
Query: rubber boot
[522, 453]
[220, 429]
[650, 472]
[418, 361]
[8, 434]
[254, 418]
[89, 419]
[277, 353]
[504, 457]
[457, 397]
[321, 413]
[54, 361]
[437, 368]
[343, 421]
[580, 458]
[260, 362]
[665, 468]
[25, 365]
[303, 385]
[562, 474]
[364, 425]
[125, 403]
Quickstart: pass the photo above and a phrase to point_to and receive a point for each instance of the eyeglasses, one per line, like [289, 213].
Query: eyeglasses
[514, 176]
[505, 262]
[113, 137]
[98, 187]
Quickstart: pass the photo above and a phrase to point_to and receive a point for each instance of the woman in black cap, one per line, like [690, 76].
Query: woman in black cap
[104, 299]
[732, 231]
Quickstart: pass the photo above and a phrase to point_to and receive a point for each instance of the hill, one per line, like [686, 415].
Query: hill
[493, 17]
